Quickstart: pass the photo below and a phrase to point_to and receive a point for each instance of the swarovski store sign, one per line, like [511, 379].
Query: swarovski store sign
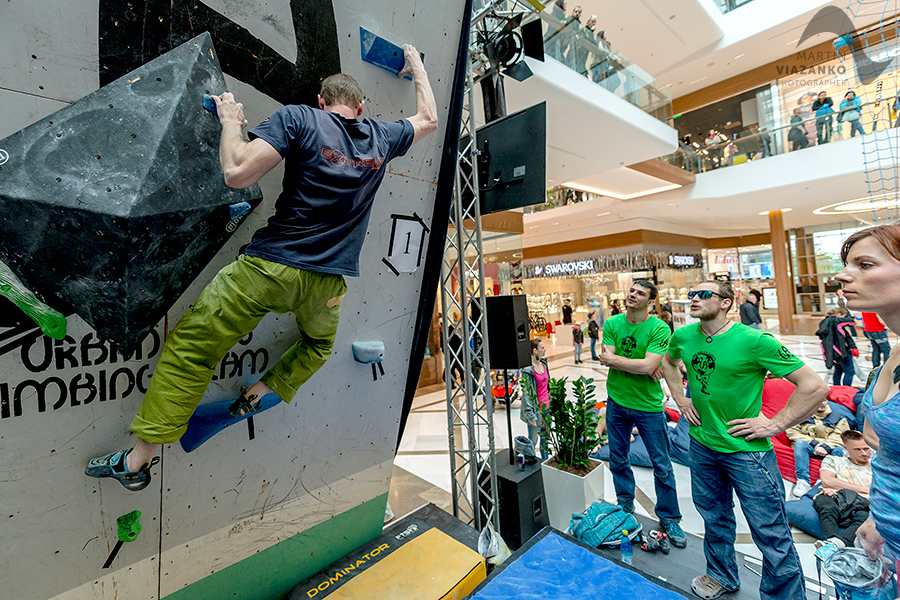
[562, 269]
[683, 260]
[615, 263]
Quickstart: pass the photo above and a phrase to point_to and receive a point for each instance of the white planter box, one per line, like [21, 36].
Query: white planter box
[566, 493]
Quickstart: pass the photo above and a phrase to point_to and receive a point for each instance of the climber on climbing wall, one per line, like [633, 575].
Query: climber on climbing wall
[334, 158]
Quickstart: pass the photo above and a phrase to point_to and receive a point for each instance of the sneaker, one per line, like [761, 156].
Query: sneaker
[114, 465]
[800, 488]
[675, 534]
[706, 587]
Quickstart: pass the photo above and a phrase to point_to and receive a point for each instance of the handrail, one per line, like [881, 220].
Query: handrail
[697, 158]
[570, 43]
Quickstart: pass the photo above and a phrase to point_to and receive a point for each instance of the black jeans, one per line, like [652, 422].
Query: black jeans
[840, 516]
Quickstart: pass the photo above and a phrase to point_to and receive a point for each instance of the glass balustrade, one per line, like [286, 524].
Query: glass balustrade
[584, 51]
[726, 6]
[756, 144]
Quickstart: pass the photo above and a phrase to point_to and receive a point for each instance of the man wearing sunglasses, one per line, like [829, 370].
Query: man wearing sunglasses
[633, 346]
[730, 447]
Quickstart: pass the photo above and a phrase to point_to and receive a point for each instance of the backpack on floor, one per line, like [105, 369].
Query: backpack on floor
[602, 524]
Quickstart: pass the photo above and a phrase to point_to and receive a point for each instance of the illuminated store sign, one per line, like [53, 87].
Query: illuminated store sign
[682, 260]
[575, 267]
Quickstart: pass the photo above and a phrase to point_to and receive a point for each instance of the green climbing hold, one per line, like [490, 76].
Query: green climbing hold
[52, 322]
[129, 526]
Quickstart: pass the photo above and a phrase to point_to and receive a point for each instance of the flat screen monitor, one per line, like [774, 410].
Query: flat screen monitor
[512, 160]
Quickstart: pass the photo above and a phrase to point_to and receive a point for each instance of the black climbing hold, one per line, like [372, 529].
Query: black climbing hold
[118, 240]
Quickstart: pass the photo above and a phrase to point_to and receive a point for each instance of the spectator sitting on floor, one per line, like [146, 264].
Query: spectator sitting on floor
[843, 504]
[818, 436]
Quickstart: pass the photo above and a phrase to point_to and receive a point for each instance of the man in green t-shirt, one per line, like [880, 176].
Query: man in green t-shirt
[633, 346]
[730, 449]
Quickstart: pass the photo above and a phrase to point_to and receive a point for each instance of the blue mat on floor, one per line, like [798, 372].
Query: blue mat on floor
[556, 568]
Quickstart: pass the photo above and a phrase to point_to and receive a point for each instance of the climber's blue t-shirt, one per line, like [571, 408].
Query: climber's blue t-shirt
[333, 167]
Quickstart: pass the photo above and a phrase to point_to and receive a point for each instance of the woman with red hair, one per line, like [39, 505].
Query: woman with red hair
[871, 283]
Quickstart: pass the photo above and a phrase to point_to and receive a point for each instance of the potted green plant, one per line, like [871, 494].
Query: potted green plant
[572, 479]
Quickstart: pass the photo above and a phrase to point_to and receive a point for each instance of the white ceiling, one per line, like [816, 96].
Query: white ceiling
[622, 183]
[655, 34]
[589, 129]
[725, 202]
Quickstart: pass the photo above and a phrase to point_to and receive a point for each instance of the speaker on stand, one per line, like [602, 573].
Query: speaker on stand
[509, 344]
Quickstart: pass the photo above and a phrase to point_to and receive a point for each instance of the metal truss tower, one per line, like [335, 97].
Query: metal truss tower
[470, 406]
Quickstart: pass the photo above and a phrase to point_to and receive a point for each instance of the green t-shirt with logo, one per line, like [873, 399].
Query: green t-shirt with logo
[650, 336]
[726, 378]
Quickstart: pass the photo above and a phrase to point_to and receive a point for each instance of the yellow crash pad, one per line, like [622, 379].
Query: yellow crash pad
[430, 566]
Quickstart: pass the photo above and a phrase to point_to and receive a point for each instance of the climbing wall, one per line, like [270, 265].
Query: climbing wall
[259, 506]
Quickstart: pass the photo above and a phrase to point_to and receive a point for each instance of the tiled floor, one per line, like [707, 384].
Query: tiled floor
[424, 457]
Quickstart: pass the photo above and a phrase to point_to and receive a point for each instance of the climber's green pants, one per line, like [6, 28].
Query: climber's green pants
[230, 307]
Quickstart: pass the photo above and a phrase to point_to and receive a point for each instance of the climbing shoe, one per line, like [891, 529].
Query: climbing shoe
[245, 405]
[114, 465]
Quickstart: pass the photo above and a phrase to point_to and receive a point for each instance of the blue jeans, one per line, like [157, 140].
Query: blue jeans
[845, 368]
[577, 352]
[539, 440]
[803, 451]
[880, 346]
[753, 325]
[653, 430]
[594, 348]
[856, 126]
[715, 476]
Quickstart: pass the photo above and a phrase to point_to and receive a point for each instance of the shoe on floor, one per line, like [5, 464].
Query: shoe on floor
[652, 543]
[800, 488]
[663, 541]
[114, 465]
[675, 534]
[706, 587]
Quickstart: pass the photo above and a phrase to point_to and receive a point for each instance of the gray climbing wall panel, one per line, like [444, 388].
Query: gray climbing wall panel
[238, 517]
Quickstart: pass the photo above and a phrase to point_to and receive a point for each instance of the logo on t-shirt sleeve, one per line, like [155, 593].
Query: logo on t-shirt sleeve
[704, 364]
[785, 354]
[339, 159]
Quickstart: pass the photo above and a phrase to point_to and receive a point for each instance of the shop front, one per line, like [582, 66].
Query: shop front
[598, 284]
[747, 268]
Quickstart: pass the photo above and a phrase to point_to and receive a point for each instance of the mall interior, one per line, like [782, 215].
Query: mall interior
[581, 145]
[682, 163]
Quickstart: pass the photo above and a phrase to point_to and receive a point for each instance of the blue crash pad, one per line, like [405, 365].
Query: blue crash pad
[555, 568]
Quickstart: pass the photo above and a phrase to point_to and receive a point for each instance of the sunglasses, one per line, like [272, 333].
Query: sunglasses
[705, 295]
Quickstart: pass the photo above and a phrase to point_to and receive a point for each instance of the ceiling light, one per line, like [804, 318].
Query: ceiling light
[738, 56]
[863, 204]
[784, 210]
[583, 188]
[603, 214]
[793, 42]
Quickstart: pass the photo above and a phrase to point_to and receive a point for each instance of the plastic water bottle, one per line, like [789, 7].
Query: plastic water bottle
[625, 547]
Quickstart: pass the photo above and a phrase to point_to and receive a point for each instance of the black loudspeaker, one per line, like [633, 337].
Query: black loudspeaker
[507, 322]
[520, 494]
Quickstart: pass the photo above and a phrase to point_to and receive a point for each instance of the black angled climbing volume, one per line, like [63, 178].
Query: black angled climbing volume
[112, 206]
